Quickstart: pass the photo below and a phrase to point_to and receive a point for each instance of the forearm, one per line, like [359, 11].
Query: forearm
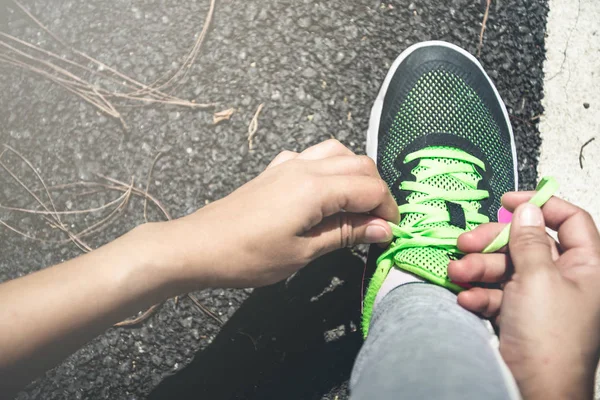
[47, 315]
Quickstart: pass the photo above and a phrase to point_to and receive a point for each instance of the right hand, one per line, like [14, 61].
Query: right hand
[549, 311]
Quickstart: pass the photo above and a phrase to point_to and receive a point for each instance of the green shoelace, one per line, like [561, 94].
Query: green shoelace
[432, 228]
[429, 225]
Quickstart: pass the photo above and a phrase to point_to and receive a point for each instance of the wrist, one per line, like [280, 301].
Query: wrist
[158, 258]
[567, 379]
[168, 254]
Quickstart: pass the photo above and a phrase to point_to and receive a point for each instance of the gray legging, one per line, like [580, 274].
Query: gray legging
[423, 345]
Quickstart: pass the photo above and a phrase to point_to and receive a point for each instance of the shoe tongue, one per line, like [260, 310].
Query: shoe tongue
[449, 182]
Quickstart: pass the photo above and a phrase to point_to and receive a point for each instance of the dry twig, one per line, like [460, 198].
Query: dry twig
[581, 157]
[205, 310]
[253, 126]
[222, 115]
[483, 25]
[148, 185]
[141, 318]
[192, 55]
[29, 58]
[51, 215]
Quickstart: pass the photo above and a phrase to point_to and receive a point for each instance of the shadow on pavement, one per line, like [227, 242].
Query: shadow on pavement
[294, 340]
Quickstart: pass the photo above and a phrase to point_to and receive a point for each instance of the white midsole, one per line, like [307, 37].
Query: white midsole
[373, 131]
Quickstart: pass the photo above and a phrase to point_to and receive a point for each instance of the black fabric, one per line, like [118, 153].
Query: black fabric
[492, 135]
[433, 58]
[457, 215]
[404, 173]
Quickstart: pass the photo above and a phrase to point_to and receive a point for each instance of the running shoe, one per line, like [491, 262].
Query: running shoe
[442, 140]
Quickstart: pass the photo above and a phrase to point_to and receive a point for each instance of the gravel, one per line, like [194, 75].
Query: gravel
[317, 67]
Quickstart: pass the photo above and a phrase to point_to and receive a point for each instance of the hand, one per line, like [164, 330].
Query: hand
[549, 311]
[302, 206]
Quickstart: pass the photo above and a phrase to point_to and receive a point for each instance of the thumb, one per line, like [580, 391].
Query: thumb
[529, 247]
[347, 229]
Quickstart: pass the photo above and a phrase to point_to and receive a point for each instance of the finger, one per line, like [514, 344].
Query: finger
[530, 250]
[345, 230]
[476, 240]
[357, 194]
[575, 226]
[345, 165]
[478, 267]
[328, 148]
[482, 301]
[282, 157]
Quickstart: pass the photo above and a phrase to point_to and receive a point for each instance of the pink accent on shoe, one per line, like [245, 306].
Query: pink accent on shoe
[504, 216]
[463, 285]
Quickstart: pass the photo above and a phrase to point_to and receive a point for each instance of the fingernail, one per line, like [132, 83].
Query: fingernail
[376, 233]
[530, 215]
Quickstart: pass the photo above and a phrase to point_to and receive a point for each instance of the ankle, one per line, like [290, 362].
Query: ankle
[395, 278]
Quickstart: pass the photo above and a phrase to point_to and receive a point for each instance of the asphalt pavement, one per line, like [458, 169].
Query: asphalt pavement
[316, 66]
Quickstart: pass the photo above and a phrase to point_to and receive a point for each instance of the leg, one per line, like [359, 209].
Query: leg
[423, 345]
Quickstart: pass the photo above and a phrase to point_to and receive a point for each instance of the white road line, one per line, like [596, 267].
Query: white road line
[572, 80]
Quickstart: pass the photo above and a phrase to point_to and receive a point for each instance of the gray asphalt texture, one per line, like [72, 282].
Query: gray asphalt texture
[317, 67]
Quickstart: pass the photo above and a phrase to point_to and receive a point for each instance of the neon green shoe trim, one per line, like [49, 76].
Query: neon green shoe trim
[424, 240]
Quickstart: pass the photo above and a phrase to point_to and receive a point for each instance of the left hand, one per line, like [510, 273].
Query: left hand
[302, 206]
